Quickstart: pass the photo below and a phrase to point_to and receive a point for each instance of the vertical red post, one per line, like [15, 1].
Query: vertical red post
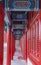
[40, 36]
[25, 46]
[9, 48]
[1, 32]
[12, 45]
[21, 45]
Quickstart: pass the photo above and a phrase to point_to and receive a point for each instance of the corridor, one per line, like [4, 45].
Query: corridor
[20, 32]
[16, 60]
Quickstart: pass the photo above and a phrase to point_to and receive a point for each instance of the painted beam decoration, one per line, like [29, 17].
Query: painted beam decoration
[20, 26]
[18, 32]
[18, 37]
[22, 5]
[19, 17]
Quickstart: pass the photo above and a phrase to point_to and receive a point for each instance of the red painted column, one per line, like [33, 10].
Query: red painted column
[1, 32]
[9, 48]
[25, 46]
[21, 45]
[12, 45]
[40, 36]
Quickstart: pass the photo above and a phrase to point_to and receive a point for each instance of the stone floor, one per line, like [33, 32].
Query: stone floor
[15, 60]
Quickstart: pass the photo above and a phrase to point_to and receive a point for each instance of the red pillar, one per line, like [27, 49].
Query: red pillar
[40, 36]
[25, 46]
[9, 48]
[12, 45]
[1, 32]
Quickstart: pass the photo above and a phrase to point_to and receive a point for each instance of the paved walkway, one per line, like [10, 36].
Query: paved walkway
[15, 60]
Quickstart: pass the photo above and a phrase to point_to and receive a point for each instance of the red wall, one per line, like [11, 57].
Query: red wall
[34, 40]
